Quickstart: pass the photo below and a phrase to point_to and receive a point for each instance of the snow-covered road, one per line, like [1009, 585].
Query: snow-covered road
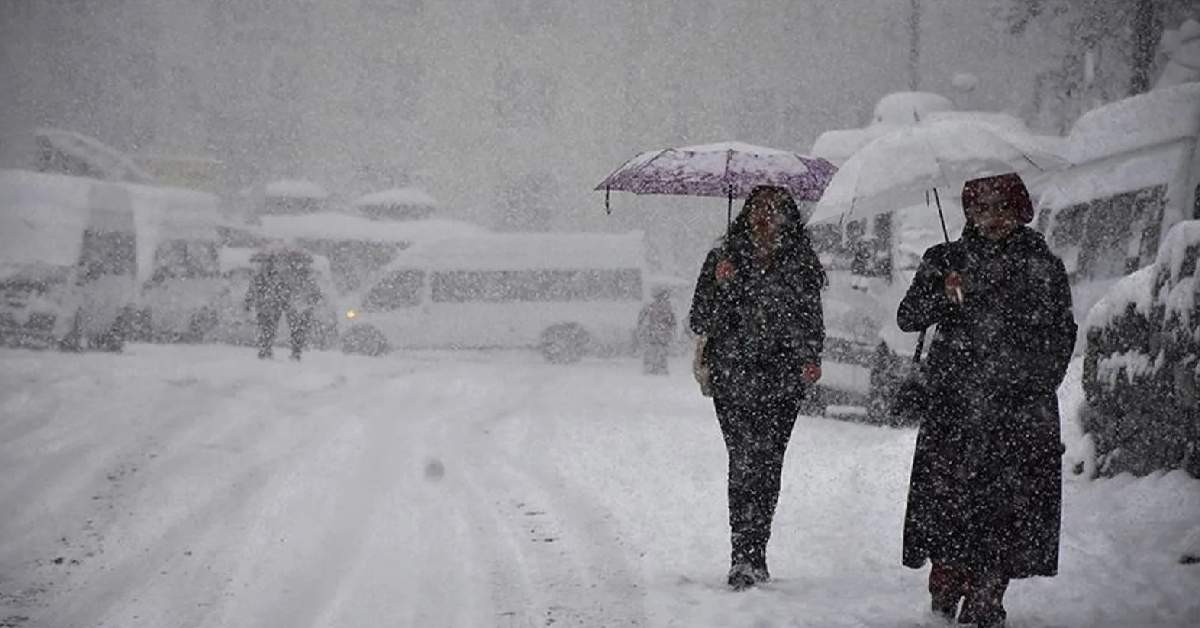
[197, 486]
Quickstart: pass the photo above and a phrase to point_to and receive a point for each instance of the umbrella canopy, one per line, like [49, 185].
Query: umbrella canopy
[726, 169]
[896, 169]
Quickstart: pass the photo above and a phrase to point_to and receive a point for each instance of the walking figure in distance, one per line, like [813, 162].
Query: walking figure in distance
[656, 330]
[283, 285]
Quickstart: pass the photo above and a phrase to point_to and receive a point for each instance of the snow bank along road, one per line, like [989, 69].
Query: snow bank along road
[197, 486]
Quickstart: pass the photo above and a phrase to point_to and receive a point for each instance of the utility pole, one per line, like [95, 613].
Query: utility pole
[914, 46]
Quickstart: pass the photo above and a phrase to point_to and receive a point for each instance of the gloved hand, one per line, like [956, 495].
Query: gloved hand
[811, 373]
[954, 287]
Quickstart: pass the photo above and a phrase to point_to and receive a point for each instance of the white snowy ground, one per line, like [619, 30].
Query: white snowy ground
[197, 486]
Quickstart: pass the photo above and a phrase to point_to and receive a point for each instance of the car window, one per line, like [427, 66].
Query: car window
[399, 289]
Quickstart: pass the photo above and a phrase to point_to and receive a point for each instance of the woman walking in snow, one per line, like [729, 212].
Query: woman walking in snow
[986, 489]
[758, 308]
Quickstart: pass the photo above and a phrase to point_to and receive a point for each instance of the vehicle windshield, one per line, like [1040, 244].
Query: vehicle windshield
[186, 259]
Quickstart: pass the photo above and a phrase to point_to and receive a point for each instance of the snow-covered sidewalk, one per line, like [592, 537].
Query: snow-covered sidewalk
[197, 486]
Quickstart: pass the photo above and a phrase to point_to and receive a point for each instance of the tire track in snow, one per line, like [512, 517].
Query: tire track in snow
[131, 580]
[570, 564]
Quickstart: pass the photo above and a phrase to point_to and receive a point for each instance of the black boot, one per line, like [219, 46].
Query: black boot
[741, 576]
[984, 604]
[758, 565]
[947, 586]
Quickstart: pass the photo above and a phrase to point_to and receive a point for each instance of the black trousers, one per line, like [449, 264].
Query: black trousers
[268, 323]
[756, 435]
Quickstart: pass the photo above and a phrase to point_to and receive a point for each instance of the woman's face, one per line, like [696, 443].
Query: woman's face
[765, 222]
[992, 215]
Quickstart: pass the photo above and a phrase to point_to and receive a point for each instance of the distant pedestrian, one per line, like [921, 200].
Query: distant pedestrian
[283, 285]
[757, 310]
[985, 494]
[656, 330]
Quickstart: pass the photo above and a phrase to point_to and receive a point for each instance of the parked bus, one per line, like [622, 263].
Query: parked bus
[567, 295]
[358, 246]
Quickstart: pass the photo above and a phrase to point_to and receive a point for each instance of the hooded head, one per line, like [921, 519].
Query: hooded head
[1007, 190]
[769, 216]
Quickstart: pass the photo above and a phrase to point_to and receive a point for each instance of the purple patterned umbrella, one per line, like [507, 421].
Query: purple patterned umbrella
[729, 169]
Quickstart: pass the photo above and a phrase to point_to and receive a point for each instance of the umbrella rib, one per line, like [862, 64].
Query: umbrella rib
[937, 161]
[1002, 139]
[647, 164]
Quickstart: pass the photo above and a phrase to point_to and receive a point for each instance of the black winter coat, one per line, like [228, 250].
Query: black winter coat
[986, 486]
[763, 323]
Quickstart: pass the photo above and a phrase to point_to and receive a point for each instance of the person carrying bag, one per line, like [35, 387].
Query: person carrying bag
[757, 311]
[985, 494]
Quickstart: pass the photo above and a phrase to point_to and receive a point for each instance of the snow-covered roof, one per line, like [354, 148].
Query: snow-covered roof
[909, 107]
[295, 188]
[397, 196]
[112, 163]
[1104, 178]
[1156, 117]
[337, 226]
[838, 145]
[1005, 121]
[518, 251]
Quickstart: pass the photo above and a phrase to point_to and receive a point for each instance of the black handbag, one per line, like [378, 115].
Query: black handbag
[910, 401]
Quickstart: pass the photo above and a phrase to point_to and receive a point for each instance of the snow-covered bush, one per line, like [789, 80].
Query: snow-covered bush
[1140, 371]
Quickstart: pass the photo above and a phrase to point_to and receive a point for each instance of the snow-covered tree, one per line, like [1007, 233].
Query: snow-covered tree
[1108, 50]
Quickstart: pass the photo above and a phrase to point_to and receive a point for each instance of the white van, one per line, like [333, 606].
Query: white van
[568, 295]
[1135, 173]
[78, 252]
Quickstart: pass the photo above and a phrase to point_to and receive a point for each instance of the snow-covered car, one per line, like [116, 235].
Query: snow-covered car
[69, 259]
[865, 351]
[565, 294]
[96, 262]
[1141, 367]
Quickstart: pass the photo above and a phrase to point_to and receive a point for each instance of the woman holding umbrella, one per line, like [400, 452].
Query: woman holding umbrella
[985, 493]
[758, 306]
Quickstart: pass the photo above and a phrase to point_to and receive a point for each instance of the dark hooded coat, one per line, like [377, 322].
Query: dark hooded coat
[986, 486]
